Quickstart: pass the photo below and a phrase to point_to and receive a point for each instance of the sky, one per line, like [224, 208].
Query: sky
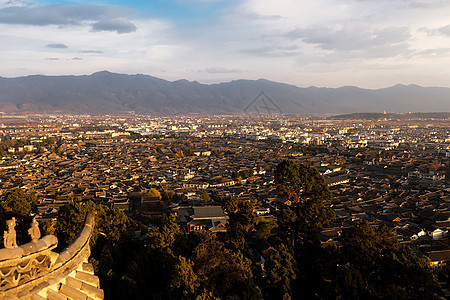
[325, 43]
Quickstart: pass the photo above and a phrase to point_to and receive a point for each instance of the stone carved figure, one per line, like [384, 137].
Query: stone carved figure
[34, 231]
[9, 236]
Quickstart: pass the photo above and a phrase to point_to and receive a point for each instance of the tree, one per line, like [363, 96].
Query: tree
[299, 226]
[243, 218]
[205, 197]
[164, 236]
[154, 193]
[349, 283]
[287, 220]
[306, 187]
[386, 267]
[22, 206]
[206, 295]
[70, 220]
[313, 215]
[112, 224]
[265, 229]
[220, 270]
[185, 283]
[231, 205]
[245, 215]
[19, 202]
[298, 182]
[281, 271]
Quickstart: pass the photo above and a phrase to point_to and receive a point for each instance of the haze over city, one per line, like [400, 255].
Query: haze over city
[330, 43]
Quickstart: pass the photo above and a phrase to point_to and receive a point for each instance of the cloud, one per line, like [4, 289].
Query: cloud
[219, 70]
[52, 58]
[15, 3]
[351, 37]
[91, 51]
[426, 4]
[119, 25]
[322, 42]
[101, 18]
[445, 30]
[438, 52]
[255, 17]
[57, 46]
[273, 51]
[58, 14]
[77, 58]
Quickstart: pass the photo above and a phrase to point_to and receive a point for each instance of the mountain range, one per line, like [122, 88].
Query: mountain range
[109, 93]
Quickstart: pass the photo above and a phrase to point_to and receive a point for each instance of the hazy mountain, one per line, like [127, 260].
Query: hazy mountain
[106, 92]
[392, 116]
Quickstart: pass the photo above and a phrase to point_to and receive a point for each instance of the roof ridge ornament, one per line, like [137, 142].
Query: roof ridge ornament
[34, 231]
[9, 236]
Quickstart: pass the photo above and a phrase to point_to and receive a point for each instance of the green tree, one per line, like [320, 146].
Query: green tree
[350, 284]
[313, 215]
[287, 220]
[154, 193]
[164, 236]
[219, 269]
[231, 205]
[298, 182]
[205, 196]
[281, 272]
[19, 202]
[122, 263]
[299, 226]
[23, 207]
[245, 215]
[111, 224]
[206, 295]
[249, 290]
[265, 229]
[185, 283]
[241, 221]
[70, 220]
[306, 187]
[385, 266]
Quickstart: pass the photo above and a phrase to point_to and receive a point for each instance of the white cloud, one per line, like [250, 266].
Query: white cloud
[119, 25]
[344, 36]
[220, 70]
[57, 46]
[370, 43]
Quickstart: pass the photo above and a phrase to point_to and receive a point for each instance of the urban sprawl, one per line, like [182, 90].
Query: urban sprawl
[385, 171]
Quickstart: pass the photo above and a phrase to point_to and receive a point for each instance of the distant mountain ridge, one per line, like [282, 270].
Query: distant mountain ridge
[392, 116]
[108, 93]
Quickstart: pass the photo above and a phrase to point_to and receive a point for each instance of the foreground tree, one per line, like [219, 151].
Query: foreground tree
[205, 197]
[23, 207]
[376, 265]
[111, 224]
[19, 202]
[306, 188]
[185, 282]
[298, 182]
[154, 193]
[281, 269]
[223, 272]
[71, 219]
[165, 235]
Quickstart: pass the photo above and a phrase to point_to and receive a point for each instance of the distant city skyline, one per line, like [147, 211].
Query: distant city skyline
[329, 43]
